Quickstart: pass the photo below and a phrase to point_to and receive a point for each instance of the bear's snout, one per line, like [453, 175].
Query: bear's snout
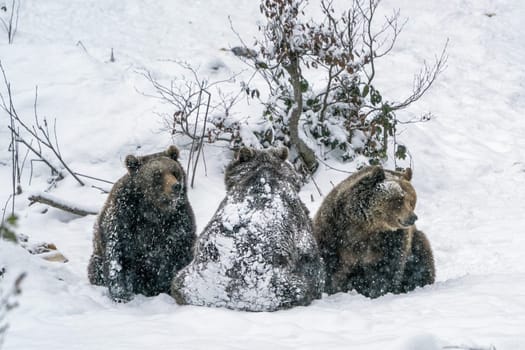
[171, 185]
[412, 218]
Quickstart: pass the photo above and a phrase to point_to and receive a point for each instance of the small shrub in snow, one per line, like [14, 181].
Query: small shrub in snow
[8, 299]
[40, 139]
[348, 114]
[202, 112]
[7, 229]
[8, 302]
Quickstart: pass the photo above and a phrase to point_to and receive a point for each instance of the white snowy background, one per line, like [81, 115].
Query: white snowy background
[469, 172]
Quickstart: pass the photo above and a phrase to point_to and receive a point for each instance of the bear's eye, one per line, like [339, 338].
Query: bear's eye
[399, 202]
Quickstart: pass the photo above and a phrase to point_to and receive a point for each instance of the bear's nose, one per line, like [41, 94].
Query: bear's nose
[411, 219]
[177, 187]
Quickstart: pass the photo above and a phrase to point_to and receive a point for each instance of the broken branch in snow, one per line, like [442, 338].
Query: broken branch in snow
[60, 204]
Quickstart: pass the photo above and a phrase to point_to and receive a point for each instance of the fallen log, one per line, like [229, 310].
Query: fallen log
[55, 202]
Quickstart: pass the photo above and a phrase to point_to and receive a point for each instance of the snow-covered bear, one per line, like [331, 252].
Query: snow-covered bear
[146, 231]
[257, 253]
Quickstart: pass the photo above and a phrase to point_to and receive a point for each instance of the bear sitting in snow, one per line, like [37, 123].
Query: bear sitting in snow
[146, 230]
[257, 253]
[366, 234]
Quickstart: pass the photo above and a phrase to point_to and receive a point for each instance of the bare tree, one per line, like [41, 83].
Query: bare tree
[201, 111]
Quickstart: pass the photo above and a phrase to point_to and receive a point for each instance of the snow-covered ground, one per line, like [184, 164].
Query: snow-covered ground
[469, 171]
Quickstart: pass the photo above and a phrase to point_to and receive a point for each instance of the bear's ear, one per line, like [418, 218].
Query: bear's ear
[372, 176]
[407, 174]
[172, 152]
[245, 154]
[281, 152]
[132, 163]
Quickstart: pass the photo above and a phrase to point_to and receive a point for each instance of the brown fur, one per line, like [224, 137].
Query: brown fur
[367, 237]
[146, 230]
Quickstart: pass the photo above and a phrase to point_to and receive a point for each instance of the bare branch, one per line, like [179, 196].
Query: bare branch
[11, 26]
[424, 79]
[38, 132]
[202, 137]
[94, 178]
[37, 153]
[59, 204]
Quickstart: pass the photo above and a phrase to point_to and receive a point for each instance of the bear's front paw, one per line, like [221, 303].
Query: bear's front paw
[122, 298]
[119, 294]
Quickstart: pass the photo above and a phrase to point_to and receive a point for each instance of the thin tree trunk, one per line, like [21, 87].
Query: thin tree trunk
[306, 154]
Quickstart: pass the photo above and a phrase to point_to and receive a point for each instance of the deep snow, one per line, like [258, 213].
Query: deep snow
[469, 170]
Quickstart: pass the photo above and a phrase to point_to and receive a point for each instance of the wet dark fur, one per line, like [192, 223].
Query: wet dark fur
[146, 230]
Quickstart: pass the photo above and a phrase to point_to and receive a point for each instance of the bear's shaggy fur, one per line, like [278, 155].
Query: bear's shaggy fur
[257, 253]
[146, 230]
[366, 234]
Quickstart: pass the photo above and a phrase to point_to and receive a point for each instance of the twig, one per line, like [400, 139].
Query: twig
[204, 162]
[103, 190]
[192, 148]
[5, 208]
[94, 178]
[331, 167]
[38, 154]
[316, 186]
[14, 161]
[81, 44]
[10, 27]
[39, 132]
[52, 148]
[202, 137]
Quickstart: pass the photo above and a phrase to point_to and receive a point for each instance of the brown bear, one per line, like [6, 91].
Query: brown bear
[146, 230]
[367, 237]
[258, 252]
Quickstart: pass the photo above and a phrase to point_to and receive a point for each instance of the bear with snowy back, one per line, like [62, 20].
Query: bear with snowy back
[366, 234]
[257, 253]
[146, 230]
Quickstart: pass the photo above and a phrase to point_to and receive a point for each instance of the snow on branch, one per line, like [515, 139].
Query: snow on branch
[55, 202]
[348, 115]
